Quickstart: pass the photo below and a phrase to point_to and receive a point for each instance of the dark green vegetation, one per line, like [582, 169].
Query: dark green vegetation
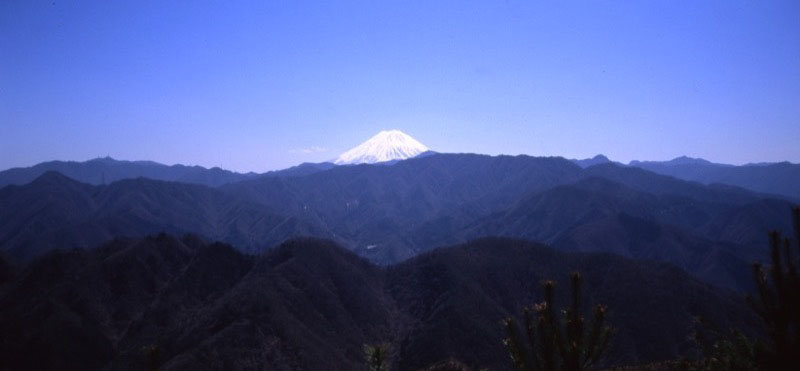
[778, 302]
[392, 213]
[550, 347]
[377, 357]
[309, 304]
[778, 306]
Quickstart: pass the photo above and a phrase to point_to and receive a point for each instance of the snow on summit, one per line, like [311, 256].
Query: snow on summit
[388, 145]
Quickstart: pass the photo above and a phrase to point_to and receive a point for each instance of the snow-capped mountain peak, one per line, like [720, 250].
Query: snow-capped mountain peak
[388, 145]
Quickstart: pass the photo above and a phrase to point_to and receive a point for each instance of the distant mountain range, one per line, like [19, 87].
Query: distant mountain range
[54, 211]
[392, 213]
[709, 219]
[395, 243]
[770, 178]
[389, 147]
[781, 178]
[309, 304]
[108, 170]
[101, 171]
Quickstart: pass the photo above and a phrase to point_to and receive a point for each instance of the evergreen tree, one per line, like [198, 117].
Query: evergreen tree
[377, 356]
[778, 301]
[557, 345]
[721, 351]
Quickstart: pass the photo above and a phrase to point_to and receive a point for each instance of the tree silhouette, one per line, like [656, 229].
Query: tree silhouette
[377, 356]
[551, 347]
[778, 302]
[721, 351]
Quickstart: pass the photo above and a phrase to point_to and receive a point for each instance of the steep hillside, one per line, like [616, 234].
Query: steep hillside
[379, 210]
[57, 212]
[597, 214]
[310, 304]
[389, 213]
[452, 291]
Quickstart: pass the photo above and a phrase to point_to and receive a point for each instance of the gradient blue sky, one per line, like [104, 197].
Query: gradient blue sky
[265, 85]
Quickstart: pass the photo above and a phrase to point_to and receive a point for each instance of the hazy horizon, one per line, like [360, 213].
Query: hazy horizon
[259, 87]
[332, 159]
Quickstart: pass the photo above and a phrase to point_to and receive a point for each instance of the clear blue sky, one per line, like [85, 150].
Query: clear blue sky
[268, 84]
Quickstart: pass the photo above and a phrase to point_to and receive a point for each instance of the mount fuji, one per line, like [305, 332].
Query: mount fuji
[388, 145]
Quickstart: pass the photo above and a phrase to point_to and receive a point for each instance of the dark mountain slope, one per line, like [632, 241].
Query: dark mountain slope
[68, 308]
[439, 180]
[722, 264]
[545, 215]
[755, 214]
[386, 213]
[777, 178]
[650, 182]
[392, 213]
[108, 170]
[309, 304]
[377, 209]
[597, 214]
[452, 291]
[305, 305]
[7, 271]
[748, 224]
[57, 212]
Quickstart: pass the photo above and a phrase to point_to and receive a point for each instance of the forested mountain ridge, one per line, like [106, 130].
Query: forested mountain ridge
[309, 304]
[389, 213]
[57, 212]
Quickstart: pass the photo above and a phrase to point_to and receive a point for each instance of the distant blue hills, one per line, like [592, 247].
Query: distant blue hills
[106, 170]
[779, 178]
[389, 214]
